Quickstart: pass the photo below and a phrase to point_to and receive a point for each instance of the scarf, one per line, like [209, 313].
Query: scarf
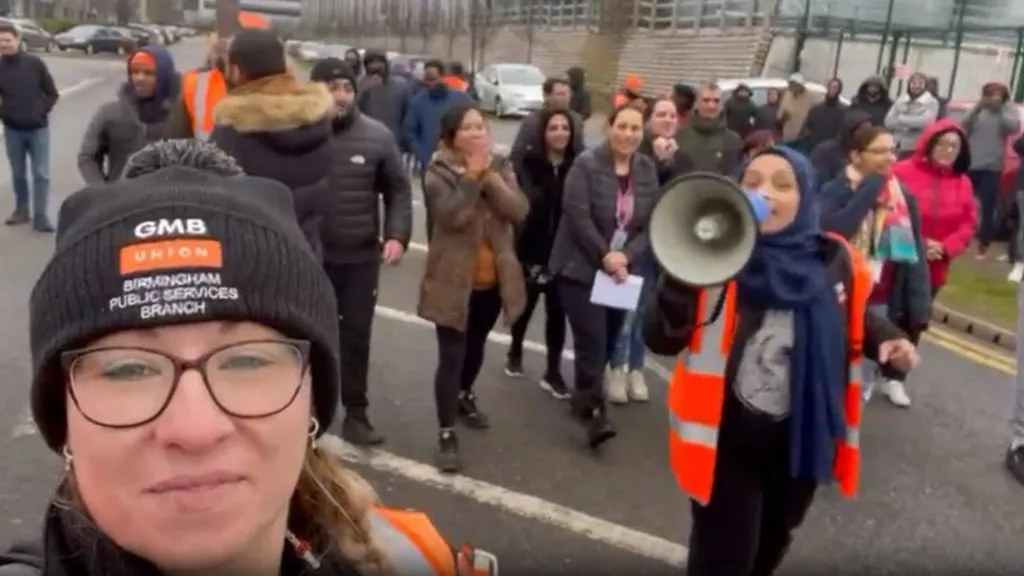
[887, 234]
[787, 271]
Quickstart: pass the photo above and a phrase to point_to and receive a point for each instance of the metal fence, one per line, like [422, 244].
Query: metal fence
[988, 30]
[412, 16]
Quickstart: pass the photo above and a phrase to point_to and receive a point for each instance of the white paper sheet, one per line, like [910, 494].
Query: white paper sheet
[607, 292]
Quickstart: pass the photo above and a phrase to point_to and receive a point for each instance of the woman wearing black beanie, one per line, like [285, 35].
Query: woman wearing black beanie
[184, 320]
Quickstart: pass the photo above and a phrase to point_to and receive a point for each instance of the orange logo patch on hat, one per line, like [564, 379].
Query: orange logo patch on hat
[171, 254]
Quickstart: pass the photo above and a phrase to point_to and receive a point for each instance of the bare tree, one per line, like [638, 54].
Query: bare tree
[456, 17]
[406, 21]
[480, 30]
[426, 23]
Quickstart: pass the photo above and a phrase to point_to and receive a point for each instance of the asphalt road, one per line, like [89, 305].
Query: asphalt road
[934, 496]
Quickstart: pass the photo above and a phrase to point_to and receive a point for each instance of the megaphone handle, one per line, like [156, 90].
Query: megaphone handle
[719, 306]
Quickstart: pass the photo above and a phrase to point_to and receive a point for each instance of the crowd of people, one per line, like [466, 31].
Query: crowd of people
[263, 190]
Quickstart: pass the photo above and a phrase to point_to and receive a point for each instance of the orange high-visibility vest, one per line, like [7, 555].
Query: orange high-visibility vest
[414, 546]
[697, 389]
[202, 91]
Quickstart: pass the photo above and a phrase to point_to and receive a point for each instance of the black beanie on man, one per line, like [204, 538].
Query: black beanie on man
[328, 70]
[182, 216]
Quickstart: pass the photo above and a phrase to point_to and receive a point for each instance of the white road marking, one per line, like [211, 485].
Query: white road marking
[79, 86]
[523, 505]
[25, 425]
[503, 338]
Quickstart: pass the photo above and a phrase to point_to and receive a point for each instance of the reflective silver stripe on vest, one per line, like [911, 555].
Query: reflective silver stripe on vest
[693, 432]
[853, 432]
[199, 106]
[709, 360]
[853, 437]
[853, 373]
[403, 553]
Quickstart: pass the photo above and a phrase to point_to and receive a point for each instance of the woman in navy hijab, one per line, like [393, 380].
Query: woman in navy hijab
[758, 428]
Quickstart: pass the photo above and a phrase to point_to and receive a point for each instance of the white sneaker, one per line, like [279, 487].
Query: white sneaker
[896, 392]
[637, 386]
[615, 386]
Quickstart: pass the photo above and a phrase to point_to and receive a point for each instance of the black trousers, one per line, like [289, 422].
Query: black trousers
[461, 354]
[747, 528]
[355, 288]
[554, 324]
[914, 334]
[594, 329]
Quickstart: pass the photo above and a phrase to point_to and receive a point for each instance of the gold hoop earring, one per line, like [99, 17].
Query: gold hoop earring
[314, 433]
[69, 458]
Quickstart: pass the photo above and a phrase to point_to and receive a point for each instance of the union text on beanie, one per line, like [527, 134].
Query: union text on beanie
[178, 245]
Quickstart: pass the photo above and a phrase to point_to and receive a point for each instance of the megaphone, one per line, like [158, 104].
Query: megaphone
[704, 227]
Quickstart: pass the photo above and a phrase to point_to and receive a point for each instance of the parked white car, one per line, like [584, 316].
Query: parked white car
[310, 51]
[759, 88]
[509, 89]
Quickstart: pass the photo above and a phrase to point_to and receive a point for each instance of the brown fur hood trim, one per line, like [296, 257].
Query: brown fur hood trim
[274, 104]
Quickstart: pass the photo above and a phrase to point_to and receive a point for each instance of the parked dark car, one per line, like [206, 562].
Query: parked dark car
[143, 36]
[32, 36]
[93, 39]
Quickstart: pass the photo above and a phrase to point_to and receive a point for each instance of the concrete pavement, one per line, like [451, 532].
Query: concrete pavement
[933, 496]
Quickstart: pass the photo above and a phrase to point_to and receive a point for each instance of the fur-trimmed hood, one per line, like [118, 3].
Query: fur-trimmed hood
[274, 104]
[281, 113]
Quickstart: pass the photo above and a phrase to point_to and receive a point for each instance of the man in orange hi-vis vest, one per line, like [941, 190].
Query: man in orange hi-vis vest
[764, 403]
[203, 88]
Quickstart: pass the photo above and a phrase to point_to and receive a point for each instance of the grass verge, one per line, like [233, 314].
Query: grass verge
[980, 289]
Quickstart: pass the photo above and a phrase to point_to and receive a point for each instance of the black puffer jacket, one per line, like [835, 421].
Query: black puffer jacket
[71, 546]
[279, 128]
[365, 166]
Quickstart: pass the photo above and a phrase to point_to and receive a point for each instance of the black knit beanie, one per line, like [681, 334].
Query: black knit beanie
[328, 70]
[124, 250]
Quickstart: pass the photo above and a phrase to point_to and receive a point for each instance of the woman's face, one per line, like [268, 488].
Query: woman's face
[194, 487]
[946, 148]
[664, 120]
[472, 136]
[878, 157]
[626, 131]
[772, 96]
[558, 133]
[772, 176]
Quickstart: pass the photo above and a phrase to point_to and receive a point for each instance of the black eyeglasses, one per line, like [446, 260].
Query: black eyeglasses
[124, 387]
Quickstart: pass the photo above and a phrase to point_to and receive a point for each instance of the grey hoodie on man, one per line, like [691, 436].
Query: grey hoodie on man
[988, 128]
[910, 114]
[386, 97]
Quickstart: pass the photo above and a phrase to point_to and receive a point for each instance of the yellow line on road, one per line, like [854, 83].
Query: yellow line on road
[973, 351]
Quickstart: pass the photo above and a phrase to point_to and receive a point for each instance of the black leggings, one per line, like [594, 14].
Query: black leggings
[461, 354]
[554, 324]
[593, 327]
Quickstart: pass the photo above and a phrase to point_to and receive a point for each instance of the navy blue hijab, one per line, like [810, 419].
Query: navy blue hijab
[788, 272]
